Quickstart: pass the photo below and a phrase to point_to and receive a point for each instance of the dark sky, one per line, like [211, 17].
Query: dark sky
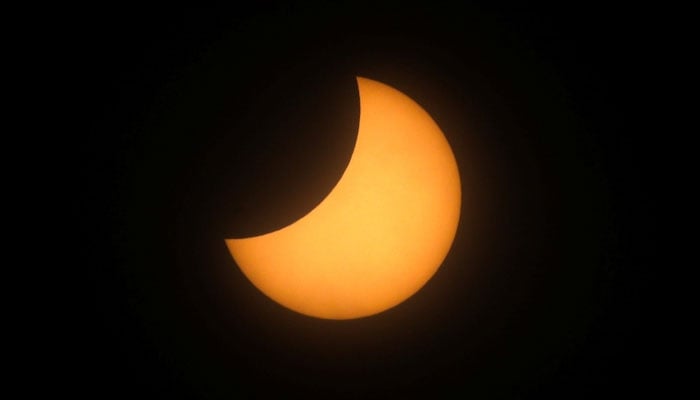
[206, 124]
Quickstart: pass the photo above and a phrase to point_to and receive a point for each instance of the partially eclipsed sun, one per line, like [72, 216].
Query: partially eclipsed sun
[381, 233]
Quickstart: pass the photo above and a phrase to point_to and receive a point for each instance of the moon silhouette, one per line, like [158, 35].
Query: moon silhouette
[383, 230]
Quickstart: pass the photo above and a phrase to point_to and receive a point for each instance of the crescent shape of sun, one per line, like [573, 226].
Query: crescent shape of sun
[383, 230]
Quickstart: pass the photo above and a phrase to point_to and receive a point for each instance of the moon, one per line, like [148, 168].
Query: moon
[383, 230]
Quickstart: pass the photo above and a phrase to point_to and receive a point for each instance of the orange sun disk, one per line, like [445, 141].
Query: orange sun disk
[381, 233]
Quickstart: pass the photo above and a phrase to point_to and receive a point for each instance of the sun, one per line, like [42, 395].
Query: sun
[383, 230]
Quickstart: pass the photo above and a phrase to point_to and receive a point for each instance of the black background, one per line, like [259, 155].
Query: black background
[206, 124]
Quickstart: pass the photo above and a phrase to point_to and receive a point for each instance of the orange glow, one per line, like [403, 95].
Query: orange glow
[381, 233]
